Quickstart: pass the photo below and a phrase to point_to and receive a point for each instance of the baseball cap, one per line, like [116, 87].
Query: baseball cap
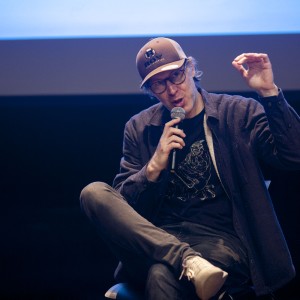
[159, 55]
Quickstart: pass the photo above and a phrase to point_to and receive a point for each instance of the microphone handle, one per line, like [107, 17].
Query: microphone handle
[173, 157]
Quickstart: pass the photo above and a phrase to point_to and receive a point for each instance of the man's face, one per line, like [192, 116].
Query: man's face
[183, 95]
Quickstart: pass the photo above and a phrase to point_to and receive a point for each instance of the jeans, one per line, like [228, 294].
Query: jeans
[153, 256]
[221, 249]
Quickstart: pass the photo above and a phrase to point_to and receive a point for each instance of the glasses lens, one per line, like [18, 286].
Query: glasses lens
[158, 87]
[178, 76]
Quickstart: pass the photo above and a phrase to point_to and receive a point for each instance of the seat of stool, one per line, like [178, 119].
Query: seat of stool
[124, 291]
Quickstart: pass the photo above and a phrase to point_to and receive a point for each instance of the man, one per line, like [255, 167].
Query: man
[192, 226]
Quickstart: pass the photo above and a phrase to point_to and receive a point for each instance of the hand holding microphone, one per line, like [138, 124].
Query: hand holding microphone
[171, 139]
[176, 113]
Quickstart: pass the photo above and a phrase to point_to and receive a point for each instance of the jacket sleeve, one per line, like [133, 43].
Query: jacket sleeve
[131, 181]
[278, 140]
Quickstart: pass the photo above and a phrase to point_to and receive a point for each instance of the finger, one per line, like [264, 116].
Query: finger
[178, 132]
[174, 143]
[256, 55]
[250, 54]
[248, 58]
[176, 140]
[173, 135]
[171, 129]
[173, 122]
[238, 63]
[239, 67]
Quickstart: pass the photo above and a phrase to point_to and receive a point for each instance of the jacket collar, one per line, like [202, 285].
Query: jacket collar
[160, 115]
[211, 103]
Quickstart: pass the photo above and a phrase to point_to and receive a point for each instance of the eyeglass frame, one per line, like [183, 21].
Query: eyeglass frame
[164, 81]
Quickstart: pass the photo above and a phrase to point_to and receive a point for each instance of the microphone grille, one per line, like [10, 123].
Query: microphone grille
[178, 112]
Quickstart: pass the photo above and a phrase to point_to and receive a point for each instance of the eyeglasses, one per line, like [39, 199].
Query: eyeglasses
[177, 77]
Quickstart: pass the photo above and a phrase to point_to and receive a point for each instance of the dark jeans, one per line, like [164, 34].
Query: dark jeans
[221, 249]
[154, 255]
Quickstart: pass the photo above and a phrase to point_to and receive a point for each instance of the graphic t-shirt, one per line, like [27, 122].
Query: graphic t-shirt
[194, 192]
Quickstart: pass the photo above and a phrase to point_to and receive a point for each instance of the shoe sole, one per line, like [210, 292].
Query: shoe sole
[212, 284]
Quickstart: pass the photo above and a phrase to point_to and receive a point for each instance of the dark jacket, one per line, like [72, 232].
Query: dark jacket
[244, 132]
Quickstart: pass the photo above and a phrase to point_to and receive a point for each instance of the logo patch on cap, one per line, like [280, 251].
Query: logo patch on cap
[152, 58]
[149, 53]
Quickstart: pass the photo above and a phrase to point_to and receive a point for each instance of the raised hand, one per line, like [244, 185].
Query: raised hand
[257, 71]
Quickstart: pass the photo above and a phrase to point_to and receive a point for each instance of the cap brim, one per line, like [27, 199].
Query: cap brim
[171, 66]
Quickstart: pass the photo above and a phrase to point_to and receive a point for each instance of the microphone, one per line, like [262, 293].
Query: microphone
[176, 113]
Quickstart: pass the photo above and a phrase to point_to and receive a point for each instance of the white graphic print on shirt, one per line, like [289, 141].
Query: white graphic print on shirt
[192, 178]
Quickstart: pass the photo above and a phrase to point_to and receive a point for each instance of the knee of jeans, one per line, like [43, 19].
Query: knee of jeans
[93, 194]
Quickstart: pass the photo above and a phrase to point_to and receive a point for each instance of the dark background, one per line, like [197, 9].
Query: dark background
[51, 147]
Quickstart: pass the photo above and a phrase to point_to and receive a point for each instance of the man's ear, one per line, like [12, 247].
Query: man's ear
[192, 70]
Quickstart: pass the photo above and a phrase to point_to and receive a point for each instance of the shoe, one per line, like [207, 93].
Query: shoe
[225, 296]
[206, 278]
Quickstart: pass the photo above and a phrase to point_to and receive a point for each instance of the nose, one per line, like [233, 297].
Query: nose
[171, 87]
